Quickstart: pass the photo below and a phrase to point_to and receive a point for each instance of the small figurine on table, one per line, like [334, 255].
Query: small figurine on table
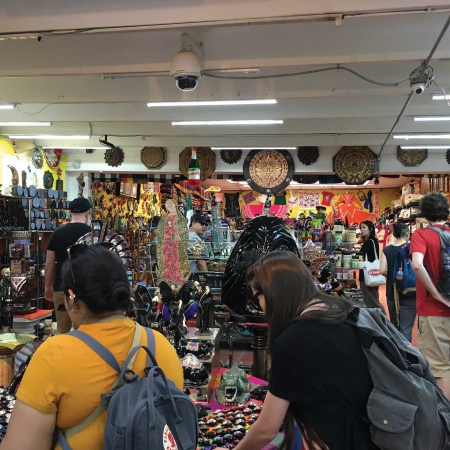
[205, 315]
[175, 300]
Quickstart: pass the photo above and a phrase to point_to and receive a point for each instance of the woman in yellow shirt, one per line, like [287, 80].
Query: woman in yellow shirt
[65, 378]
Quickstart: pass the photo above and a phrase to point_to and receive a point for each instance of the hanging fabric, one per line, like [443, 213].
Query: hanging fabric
[368, 203]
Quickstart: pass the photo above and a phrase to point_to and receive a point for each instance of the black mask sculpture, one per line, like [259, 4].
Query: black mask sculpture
[262, 235]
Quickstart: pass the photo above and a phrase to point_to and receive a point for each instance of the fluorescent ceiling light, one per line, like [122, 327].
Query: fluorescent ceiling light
[63, 147]
[441, 97]
[431, 118]
[25, 124]
[422, 136]
[428, 147]
[48, 136]
[253, 148]
[6, 106]
[228, 122]
[214, 103]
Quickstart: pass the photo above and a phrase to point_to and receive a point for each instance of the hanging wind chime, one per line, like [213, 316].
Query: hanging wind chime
[194, 169]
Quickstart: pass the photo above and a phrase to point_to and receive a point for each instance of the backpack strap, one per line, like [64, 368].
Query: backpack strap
[443, 242]
[150, 345]
[110, 359]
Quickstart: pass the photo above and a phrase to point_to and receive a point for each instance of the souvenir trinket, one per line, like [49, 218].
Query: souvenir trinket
[234, 387]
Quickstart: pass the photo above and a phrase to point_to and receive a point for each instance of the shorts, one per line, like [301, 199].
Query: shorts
[433, 340]
[62, 318]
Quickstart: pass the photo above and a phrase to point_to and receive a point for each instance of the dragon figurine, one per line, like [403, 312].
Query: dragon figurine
[234, 387]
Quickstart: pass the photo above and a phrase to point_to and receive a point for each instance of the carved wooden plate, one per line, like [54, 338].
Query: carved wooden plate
[412, 158]
[354, 165]
[153, 157]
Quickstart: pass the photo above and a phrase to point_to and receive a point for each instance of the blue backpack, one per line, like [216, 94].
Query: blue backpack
[407, 284]
[143, 413]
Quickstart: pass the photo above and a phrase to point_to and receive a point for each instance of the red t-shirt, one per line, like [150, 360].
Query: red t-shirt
[428, 243]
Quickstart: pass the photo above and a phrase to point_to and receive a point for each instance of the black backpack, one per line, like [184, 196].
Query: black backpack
[406, 408]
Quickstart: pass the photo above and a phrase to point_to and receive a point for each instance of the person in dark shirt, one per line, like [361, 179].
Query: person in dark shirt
[369, 247]
[403, 319]
[62, 238]
[319, 376]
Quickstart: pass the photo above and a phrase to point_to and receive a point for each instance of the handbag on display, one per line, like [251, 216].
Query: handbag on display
[372, 275]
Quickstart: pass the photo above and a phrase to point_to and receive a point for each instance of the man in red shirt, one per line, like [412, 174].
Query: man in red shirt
[433, 308]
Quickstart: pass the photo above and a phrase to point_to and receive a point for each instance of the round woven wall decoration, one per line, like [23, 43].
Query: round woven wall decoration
[308, 155]
[230, 156]
[206, 158]
[114, 156]
[354, 165]
[153, 157]
[412, 158]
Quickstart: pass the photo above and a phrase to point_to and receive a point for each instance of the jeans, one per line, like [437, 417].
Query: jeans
[407, 316]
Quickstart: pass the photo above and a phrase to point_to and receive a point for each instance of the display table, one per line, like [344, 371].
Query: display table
[215, 406]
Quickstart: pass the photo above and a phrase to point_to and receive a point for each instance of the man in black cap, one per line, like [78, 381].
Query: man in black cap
[198, 227]
[62, 238]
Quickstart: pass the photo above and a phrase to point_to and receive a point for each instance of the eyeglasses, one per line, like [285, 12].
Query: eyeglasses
[77, 247]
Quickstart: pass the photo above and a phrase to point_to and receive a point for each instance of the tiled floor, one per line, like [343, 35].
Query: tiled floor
[242, 354]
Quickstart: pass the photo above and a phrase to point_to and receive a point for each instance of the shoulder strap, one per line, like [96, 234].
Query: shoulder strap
[150, 345]
[102, 351]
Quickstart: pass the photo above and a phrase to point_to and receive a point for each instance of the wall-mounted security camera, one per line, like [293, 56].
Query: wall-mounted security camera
[186, 67]
[420, 81]
[418, 88]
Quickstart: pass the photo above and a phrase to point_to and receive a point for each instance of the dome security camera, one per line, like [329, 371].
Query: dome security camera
[418, 88]
[186, 69]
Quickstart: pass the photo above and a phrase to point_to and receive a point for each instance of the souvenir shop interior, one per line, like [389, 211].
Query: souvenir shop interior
[260, 165]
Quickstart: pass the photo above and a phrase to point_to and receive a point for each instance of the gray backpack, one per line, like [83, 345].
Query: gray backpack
[406, 408]
[143, 413]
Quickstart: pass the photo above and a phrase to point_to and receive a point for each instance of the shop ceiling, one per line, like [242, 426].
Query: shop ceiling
[56, 59]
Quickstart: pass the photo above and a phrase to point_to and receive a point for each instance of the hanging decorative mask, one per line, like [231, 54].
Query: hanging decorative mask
[52, 156]
[38, 158]
[308, 155]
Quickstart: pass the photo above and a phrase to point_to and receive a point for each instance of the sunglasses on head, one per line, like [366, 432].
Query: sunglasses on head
[79, 247]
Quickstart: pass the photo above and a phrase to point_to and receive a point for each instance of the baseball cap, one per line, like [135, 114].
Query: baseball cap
[79, 205]
[199, 218]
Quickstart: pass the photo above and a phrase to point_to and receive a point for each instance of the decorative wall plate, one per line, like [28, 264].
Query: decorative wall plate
[412, 158]
[52, 156]
[308, 155]
[268, 171]
[206, 158]
[230, 156]
[354, 165]
[48, 180]
[38, 158]
[114, 156]
[153, 157]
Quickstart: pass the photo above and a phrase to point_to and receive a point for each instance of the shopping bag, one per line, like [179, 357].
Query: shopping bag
[372, 275]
